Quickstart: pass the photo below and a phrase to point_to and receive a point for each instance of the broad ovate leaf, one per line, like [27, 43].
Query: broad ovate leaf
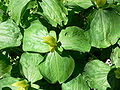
[73, 38]
[15, 9]
[57, 67]
[105, 28]
[10, 35]
[78, 83]
[115, 57]
[5, 66]
[34, 38]
[96, 74]
[54, 11]
[75, 3]
[30, 66]
[7, 82]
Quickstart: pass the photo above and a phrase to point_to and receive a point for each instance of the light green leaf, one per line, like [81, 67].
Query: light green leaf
[115, 57]
[53, 33]
[73, 38]
[57, 67]
[96, 74]
[15, 9]
[54, 11]
[35, 86]
[10, 35]
[29, 65]
[74, 3]
[5, 66]
[7, 82]
[105, 28]
[33, 38]
[77, 83]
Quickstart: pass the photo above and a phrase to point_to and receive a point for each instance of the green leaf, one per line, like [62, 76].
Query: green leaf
[10, 35]
[96, 74]
[113, 81]
[115, 57]
[29, 64]
[77, 83]
[5, 66]
[15, 9]
[73, 38]
[57, 67]
[33, 38]
[117, 73]
[7, 82]
[105, 28]
[35, 86]
[74, 3]
[54, 11]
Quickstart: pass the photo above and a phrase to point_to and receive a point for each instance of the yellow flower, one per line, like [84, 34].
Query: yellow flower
[51, 42]
[22, 85]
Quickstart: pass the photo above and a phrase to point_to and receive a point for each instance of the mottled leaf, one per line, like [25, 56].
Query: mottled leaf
[33, 38]
[74, 3]
[30, 63]
[105, 28]
[78, 83]
[57, 67]
[10, 35]
[96, 74]
[7, 82]
[54, 11]
[5, 66]
[15, 9]
[73, 38]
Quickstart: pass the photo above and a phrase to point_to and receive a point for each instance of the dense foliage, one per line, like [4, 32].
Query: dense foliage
[59, 44]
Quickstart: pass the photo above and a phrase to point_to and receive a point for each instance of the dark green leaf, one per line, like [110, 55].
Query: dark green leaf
[29, 63]
[1, 14]
[113, 81]
[10, 35]
[73, 38]
[57, 67]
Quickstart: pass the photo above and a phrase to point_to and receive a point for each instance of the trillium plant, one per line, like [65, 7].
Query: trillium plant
[59, 44]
